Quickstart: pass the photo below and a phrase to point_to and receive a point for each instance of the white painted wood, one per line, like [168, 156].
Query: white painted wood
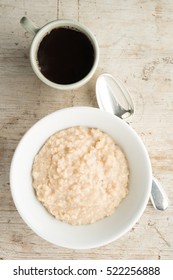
[136, 45]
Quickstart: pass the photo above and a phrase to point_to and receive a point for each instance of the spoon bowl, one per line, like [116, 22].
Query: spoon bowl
[113, 97]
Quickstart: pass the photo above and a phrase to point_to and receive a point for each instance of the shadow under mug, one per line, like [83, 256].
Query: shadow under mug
[40, 33]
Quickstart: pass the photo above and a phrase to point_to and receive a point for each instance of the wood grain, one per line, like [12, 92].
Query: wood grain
[135, 39]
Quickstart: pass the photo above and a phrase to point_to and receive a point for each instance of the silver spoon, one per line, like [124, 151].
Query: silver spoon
[113, 97]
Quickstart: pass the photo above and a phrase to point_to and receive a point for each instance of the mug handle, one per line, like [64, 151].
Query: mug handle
[29, 25]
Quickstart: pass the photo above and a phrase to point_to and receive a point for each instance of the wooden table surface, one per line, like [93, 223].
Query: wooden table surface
[136, 44]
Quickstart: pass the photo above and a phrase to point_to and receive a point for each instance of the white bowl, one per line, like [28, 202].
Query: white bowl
[105, 230]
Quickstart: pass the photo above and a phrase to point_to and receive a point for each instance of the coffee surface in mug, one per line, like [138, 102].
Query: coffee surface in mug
[65, 55]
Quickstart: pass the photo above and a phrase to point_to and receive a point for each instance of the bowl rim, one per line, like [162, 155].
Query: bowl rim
[13, 166]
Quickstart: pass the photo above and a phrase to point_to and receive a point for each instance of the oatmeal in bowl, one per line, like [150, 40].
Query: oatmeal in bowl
[80, 175]
[66, 174]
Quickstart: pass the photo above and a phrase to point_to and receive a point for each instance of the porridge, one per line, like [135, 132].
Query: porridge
[80, 175]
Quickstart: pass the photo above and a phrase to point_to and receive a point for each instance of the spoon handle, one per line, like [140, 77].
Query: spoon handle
[158, 196]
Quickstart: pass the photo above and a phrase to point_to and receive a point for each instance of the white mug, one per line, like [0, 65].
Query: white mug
[40, 33]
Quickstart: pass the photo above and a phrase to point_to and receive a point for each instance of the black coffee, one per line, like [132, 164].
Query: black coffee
[65, 56]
